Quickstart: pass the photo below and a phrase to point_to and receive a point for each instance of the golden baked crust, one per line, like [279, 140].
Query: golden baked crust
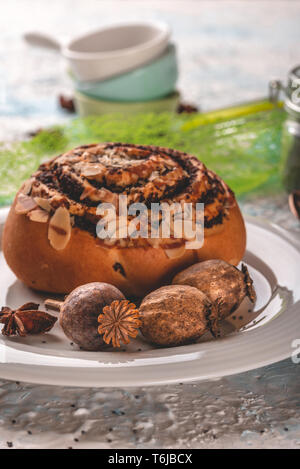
[76, 182]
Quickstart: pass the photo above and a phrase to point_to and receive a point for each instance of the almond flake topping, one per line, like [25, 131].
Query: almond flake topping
[38, 215]
[91, 170]
[25, 204]
[27, 186]
[59, 232]
[174, 253]
[43, 203]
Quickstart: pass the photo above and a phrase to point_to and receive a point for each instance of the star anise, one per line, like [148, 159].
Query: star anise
[25, 320]
[119, 321]
[249, 284]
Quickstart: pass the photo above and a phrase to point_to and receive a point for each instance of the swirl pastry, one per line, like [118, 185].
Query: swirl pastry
[50, 239]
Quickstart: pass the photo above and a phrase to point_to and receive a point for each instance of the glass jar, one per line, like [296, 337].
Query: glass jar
[291, 133]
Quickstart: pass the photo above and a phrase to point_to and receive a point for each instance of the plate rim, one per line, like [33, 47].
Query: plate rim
[92, 376]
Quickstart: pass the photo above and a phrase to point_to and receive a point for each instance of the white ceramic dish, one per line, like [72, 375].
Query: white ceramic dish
[266, 335]
[109, 51]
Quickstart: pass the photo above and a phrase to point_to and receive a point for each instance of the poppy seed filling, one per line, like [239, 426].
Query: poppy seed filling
[81, 179]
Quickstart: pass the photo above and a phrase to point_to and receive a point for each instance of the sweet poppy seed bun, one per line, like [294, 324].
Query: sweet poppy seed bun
[50, 239]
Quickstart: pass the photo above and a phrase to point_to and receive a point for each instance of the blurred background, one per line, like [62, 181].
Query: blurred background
[205, 56]
[227, 51]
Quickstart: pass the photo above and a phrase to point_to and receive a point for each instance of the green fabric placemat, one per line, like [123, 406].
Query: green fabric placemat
[241, 144]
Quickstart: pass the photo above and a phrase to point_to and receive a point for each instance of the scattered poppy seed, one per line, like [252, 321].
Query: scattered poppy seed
[118, 412]
[119, 268]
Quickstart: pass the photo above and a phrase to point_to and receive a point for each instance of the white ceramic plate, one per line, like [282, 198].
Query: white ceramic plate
[251, 339]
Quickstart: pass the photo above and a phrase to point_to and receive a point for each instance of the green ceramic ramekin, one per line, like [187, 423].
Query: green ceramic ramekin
[87, 106]
[148, 82]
